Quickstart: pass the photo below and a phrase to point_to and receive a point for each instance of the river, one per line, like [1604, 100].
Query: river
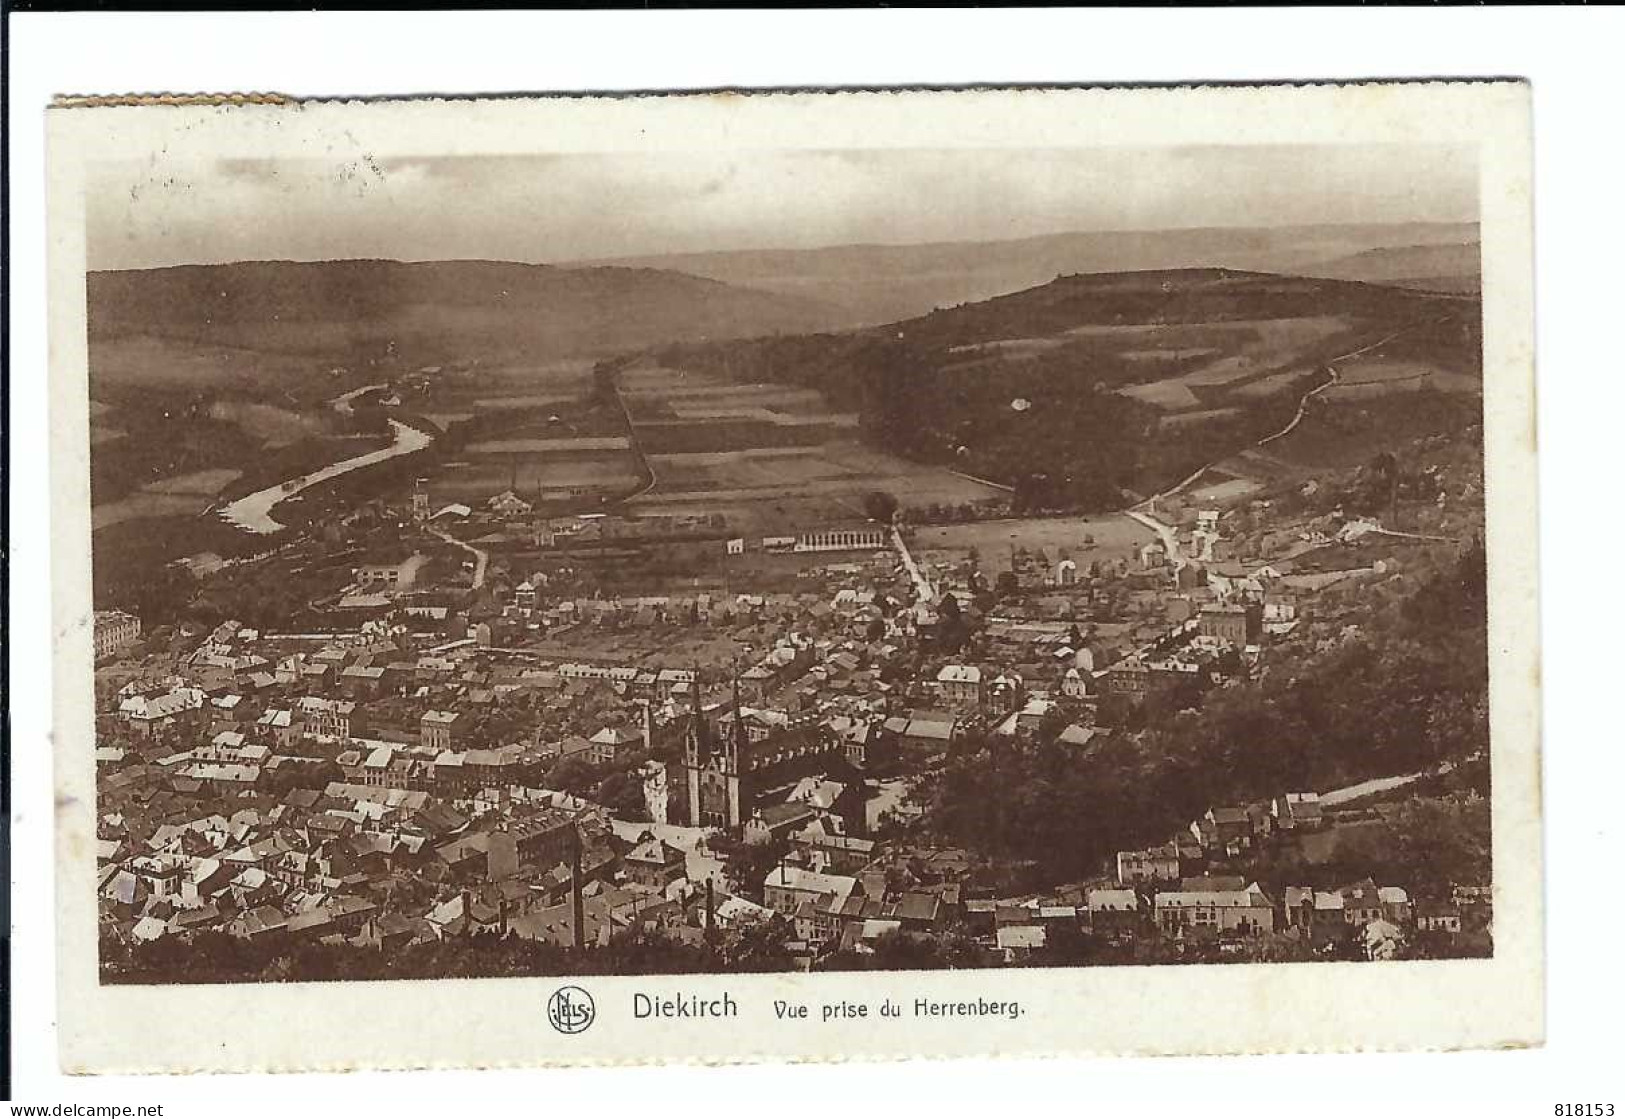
[253, 512]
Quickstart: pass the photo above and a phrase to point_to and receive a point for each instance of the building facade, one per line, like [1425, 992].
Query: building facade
[115, 631]
[864, 538]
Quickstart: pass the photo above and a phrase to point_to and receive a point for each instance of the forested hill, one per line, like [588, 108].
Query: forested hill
[1067, 391]
[437, 310]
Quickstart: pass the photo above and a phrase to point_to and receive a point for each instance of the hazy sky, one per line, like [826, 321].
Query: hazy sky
[557, 208]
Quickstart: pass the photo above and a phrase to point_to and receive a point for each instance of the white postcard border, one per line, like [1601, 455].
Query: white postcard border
[503, 1022]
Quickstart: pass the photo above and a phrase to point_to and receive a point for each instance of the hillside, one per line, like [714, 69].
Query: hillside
[1091, 387]
[885, 283]
[355, 310]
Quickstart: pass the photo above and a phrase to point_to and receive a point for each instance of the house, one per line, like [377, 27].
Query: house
[437, 729]
[925, 732]
[786, 888]
[1079, 736]
[959, 685]
[826, 851]
[1074, 685]
[611, 744]
[175, 709]
[396, 576]
[1019, 940]
[1129, 677]
[1226, 830]
[844, 801]
[1113, 912]
[655, 864]
[330, 718]
[1236, 623]
[1246, 911]
[1438, 916]
[1155, 864]
[508, 504]
[1297, 811]
[920, 911]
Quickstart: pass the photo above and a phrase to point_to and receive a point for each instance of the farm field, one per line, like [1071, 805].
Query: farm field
[771, 458]
[1257, 358]
[141, 361]
[549, 446]
[1363, 379]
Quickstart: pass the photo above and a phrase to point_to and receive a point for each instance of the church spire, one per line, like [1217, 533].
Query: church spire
[739, 736]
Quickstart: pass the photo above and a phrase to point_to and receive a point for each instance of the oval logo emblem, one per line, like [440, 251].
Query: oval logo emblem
[570, 1010]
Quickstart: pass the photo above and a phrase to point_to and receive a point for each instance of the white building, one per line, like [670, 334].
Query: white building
[860, 538]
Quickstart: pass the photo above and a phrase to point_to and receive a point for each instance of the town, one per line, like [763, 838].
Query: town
[416, 737]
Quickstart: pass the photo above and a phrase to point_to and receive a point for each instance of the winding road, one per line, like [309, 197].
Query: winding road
[1167, 532]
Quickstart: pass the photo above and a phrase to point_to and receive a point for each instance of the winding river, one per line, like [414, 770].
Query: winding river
[252, 513]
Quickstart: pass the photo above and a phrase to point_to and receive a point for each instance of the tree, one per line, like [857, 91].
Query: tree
[879, 506]
[748, 863]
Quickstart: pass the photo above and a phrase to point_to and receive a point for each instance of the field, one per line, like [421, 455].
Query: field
[772, 458]
[181, 495]
[1114, 537]
[1364, 379]
[472, 481]
[142, 362]
[1256, 358]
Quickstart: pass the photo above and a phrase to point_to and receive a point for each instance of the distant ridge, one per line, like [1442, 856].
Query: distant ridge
[882, 283]
[434, 307]
[1442, 267]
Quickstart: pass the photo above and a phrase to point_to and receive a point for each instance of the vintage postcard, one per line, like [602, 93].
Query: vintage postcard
[794, 576]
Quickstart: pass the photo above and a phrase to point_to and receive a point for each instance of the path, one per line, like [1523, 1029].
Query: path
[481, 557]
[1384, 784]
[634, 443]
[253, 512]
[922, 585]
[341, 404]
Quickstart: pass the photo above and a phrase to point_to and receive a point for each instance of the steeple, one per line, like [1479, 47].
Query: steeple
[699, 731]
[740, 738]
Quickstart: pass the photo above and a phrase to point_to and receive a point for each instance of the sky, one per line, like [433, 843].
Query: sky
[558, 208]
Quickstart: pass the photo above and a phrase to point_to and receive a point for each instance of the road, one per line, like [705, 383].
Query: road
[1385, 784]
[922, 585]
[342, 405]
[1167, 532]
[635, 444]
[481, 557]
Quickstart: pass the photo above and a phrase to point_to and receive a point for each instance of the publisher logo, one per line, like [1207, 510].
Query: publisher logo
[570, 1010]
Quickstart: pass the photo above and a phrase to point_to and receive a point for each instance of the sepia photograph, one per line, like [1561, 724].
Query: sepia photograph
[720, 559]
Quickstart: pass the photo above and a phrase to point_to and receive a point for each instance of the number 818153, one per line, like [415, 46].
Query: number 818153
[1583, 1110]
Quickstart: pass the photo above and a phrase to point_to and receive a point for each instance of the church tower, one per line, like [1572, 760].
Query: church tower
[420, 500]
[735, 751]
[714, 767]
[696, 753]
